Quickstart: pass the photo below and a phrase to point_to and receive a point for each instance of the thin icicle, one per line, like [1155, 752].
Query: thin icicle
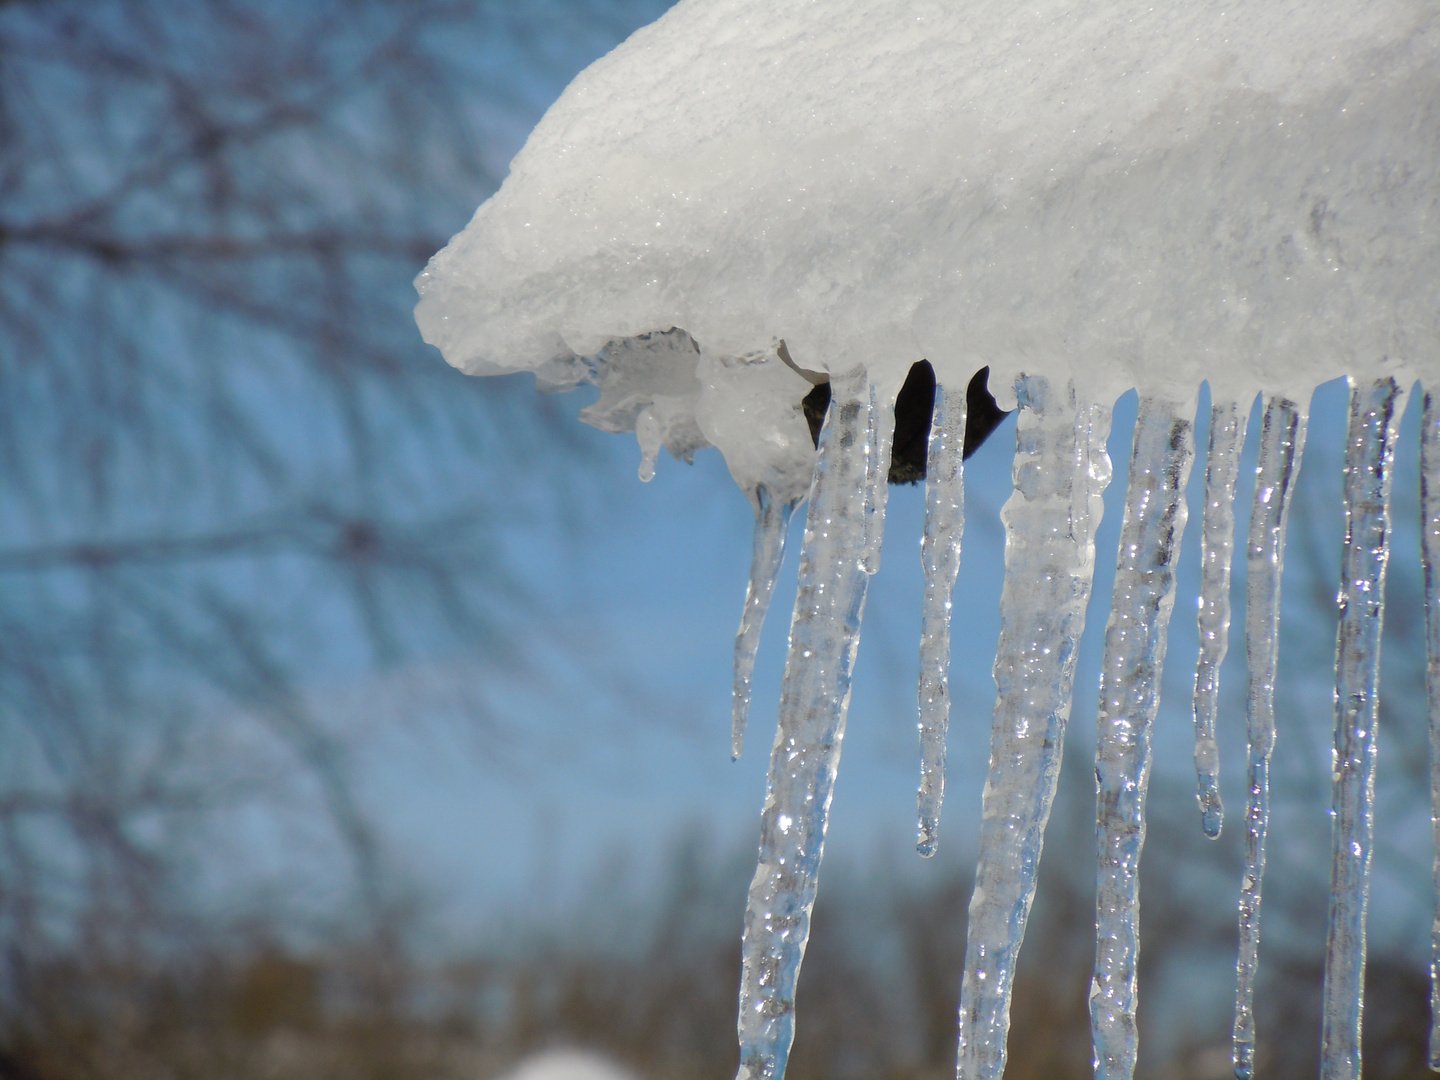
[1369, 451]
[1061, 470]
[1430, 548]
[1282, 442]
[1222, 463]
[880, 442]
[1135, 635]
[824, 637]
[940, 556]
[772, 525]
[651, 437]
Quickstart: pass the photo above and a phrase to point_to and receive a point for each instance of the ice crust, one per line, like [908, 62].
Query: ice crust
[1145, 195]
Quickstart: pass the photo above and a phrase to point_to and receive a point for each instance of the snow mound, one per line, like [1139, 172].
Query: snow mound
[567, 1065]
[1143, 195]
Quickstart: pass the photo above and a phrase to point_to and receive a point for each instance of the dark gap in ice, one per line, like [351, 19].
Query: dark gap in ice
[982, 414]
[913, 408]
[815, 405]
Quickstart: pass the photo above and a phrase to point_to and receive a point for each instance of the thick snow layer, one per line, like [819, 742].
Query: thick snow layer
[1144, 194]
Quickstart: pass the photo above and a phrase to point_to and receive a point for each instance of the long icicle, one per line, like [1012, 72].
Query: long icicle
[1061, 470]
[1222, 464]
[1135, 637]
[1430, 549]
[1369, 452]
[879, 443]
[772, 525]
[1282, 442]
[940, 556]
[824, 637]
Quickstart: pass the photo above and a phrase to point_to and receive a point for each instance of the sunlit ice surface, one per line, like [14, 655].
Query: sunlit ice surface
[747, 202]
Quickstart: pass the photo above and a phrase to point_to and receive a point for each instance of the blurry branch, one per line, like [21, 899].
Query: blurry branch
[316, 531]
[70, 237]
[229, 470]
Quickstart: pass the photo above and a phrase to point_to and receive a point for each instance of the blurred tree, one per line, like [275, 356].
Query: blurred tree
[230, 473]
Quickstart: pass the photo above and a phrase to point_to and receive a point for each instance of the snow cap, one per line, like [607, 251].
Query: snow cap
[1132, 194]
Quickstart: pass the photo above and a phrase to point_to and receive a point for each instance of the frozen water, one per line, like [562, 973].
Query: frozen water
[879, 442]
[1061, 471]
[940, 557]
[815, 695]
[772, 525]
[1430, 551]
[1135, 639]
[1282, 442]
[648, 385]
[1375, 409]
[1222, 463]
[750, 408]
[750, 196]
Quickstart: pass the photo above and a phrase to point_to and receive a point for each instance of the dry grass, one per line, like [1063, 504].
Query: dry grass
[661, 1000]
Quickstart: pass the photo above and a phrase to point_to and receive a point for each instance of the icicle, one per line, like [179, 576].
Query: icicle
[1430, 548]
[1369, 450]
[1135, 636]
[1222, 463]
[940, 556]
[1061, 470]
[650, 436]
[772, 524]
[1282, 442]
[824, 636]
[879, 443]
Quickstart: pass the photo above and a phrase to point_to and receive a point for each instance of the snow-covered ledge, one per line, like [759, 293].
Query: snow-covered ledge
[752, 196]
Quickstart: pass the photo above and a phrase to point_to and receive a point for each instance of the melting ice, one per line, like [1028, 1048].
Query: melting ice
[750, 200]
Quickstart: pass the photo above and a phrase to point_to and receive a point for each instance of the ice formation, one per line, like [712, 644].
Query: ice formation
[1370, 448]
[1135, 640]
[1222, 465]
[752, 197]
[1061, 471]
[824, 637]
[940, 556]
[1282, 440]
[1430, 554]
